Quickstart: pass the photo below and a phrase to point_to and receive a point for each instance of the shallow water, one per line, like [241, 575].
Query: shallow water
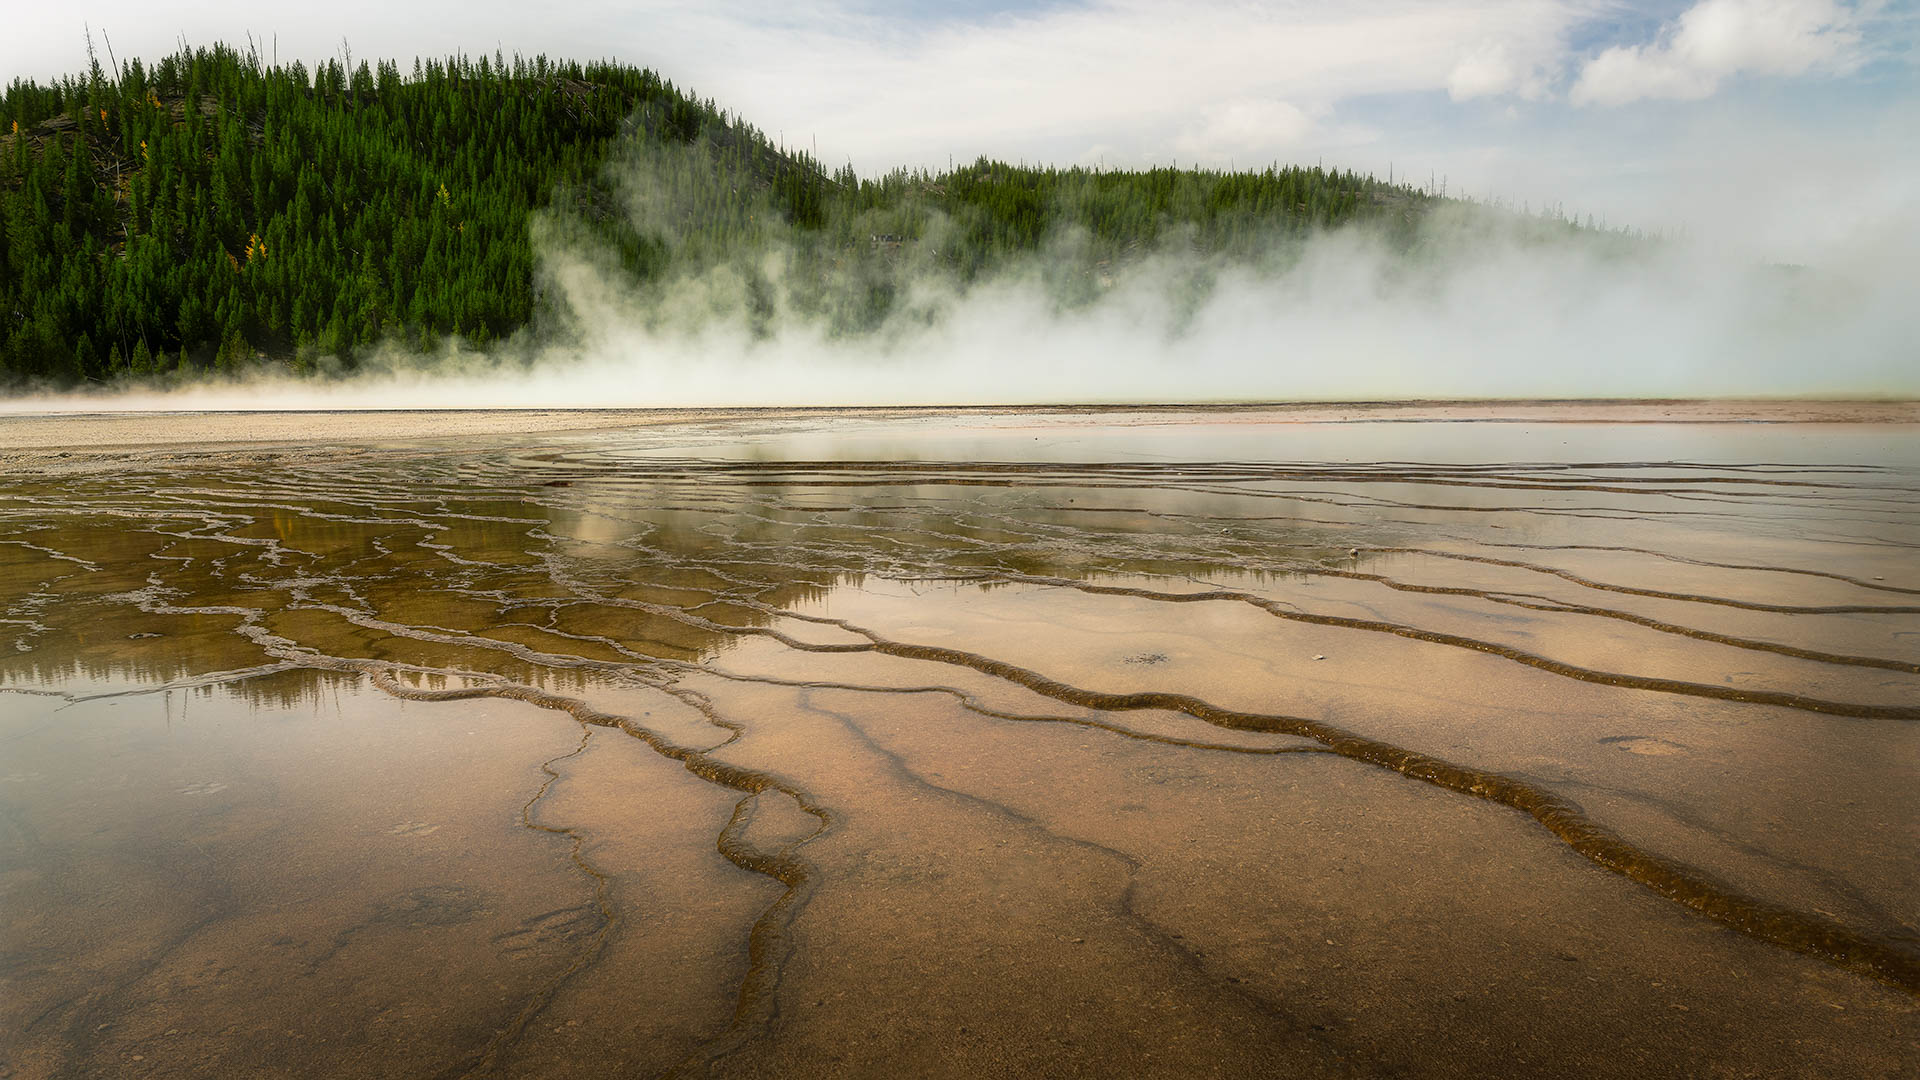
[991, 745]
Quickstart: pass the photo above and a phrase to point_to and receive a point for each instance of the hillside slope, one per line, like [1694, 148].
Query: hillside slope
[211, 211]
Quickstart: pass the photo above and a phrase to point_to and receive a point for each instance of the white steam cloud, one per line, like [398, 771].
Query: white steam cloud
[1485, 306]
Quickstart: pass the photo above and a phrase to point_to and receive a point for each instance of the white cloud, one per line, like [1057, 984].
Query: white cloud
[1491, 70]
[1238, 131]
[1131, 80]
[1485, 72]
[1143, 78]
[1717, 39]
[1127, 83]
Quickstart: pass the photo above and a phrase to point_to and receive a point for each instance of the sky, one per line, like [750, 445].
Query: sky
[1784, 130]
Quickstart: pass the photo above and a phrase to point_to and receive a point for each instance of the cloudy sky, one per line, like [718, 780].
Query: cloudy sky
[1787, 129]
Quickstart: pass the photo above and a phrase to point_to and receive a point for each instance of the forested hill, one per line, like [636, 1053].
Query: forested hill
[212, 211]
[198, 210]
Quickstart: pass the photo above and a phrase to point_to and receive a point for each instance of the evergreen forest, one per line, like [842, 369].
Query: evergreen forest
[212, 211]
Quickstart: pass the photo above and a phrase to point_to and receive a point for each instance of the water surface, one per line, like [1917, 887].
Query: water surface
[990, 745]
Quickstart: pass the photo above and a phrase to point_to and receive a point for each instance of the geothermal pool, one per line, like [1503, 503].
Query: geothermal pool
[1166, 743]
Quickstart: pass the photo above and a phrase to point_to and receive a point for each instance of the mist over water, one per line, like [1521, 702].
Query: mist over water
[1486, 305]
[1350, 321]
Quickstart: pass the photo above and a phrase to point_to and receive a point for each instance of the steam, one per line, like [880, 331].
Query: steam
[1486, 305]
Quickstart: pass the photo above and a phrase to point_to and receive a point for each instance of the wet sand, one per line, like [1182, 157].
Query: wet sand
[1531, 740]
[33, 437]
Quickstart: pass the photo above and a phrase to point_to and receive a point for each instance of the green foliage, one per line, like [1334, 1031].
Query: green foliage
[210, 209]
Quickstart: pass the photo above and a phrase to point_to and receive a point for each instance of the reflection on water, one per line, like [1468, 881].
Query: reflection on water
[1006, 745]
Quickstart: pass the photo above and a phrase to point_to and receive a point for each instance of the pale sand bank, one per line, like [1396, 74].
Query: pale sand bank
[28, 438]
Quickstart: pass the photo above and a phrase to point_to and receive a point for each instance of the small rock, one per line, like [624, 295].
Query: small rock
[1319, 656]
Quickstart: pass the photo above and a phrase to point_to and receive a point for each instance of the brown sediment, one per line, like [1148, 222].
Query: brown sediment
[971, 703]
[655, 576]
[1126, 906]
[1534, 602]
[1507, 652]
[489, 1056]
[1779, 925]
[1879, 586]
[767, 942]
[1691, 598]
[1801, 931]
[1672, 809]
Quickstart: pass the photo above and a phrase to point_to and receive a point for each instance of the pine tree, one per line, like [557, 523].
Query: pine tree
[218, 209]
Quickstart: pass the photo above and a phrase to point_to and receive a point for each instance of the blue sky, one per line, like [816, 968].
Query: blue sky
[1783, 128]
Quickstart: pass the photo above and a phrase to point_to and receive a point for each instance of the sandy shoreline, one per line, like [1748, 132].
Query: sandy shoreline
[27, 437]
